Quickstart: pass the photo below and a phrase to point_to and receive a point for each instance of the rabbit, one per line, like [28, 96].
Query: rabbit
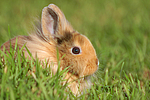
[55, 34]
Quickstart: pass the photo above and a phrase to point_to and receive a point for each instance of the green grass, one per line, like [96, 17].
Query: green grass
[119, 31]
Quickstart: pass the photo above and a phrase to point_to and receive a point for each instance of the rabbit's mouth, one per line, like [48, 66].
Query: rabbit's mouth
[80, 77]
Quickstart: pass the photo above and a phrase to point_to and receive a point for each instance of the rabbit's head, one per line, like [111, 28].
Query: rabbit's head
[77, 50]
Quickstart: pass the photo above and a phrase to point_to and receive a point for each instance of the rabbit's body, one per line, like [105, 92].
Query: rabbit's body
[57, 34]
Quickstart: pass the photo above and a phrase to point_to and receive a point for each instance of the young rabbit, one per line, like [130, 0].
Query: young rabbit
[56, 34]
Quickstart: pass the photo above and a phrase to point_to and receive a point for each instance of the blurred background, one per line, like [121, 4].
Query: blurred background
[118, 29]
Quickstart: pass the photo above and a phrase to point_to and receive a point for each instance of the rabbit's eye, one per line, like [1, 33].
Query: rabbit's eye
[76, 50]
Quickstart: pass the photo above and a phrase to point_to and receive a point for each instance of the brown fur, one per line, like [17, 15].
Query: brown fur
[56, 33]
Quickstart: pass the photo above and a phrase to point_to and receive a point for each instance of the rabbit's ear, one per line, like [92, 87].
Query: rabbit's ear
[49, 21]
[54, 21]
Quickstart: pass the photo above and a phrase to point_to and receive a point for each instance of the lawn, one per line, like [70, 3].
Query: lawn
[119, 31]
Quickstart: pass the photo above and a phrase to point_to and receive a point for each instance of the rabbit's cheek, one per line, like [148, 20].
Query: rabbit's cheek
[90, 69]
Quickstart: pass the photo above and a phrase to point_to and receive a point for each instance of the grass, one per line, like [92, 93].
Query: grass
[119, 31]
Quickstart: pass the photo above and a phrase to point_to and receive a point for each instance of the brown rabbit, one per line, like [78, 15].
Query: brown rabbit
[56, 33]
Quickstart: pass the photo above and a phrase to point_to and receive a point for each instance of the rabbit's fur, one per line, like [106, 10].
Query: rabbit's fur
[55, 33]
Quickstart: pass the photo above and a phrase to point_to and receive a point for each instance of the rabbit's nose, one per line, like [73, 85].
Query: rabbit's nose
[97, 62]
